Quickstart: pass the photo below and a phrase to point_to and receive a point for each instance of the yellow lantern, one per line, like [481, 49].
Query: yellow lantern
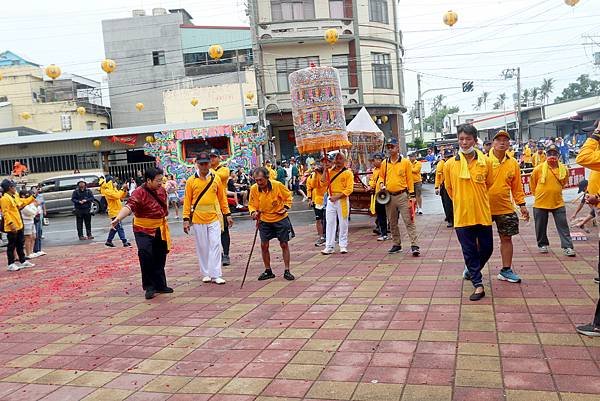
[450, 18]
[374, 118]
[331, 36]
[194, 102]
[81, 110]
[215, 51]
[384, 119]
[250, 96]
[571, 3]
[139, 106]
[96, 143]
[25, 115]
[108, 65]
[150, 139]
[53, 71]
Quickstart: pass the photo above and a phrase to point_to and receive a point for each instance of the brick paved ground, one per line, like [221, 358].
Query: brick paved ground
[364, 326]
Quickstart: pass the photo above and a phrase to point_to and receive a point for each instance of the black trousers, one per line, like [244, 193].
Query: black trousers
[597, 314]
[152, 252]
[83, 217]
[381, 218]
[225, 239]
[16, 241]
[447, 204]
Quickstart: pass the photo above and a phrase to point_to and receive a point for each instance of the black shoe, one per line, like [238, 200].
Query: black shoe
[82, 238]
[589, 330]
[166, 290]
[288, 276]
[597, 280]
[376, 231]
[225, 260]
[415, 250]
[150, 294]
[266, 275]
[449, 225]
[126, 245]
[90, 237]
[395, 249]
[109, 244]
[476, 296]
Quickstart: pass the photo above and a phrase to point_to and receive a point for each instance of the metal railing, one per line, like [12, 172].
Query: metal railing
[127, 171]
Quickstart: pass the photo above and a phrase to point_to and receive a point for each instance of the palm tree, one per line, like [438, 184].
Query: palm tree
[535, 93]
[437, 102]
[497, 105]
[484, 99]
[479, 103]
[501, 100]
[546, 89]
[412, 116]
[525, 97]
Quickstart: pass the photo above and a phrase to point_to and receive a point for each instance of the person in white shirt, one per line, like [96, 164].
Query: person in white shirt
[28, 213]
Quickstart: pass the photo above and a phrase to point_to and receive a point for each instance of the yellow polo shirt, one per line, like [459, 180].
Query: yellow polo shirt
[206, 211]
[547, 195]
[113, 198]
[11, 214]
[589, 157]
[439, 174]
[397, 176]
[527, 154]
[375, 179]
[315, 188]
[469, 196]
[343, 184]
[416, 171]
[539, 158]
[270, 202]
[506, 182]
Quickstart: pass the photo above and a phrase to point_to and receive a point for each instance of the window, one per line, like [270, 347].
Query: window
[288, 10]
[89, 125]
[65, 122]
[340, 62]
[378, 11]
[382, 71]
[336, 8]
[158, 58]
[253, 112]
[210, 114]
[68, 184]
[285, 66]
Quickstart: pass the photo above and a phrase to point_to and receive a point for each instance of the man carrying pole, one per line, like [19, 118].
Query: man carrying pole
[204, 206]
[315, 190]
[269, 202]
[221, 171]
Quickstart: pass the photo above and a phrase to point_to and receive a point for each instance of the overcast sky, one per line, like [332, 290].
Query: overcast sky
[543, 37]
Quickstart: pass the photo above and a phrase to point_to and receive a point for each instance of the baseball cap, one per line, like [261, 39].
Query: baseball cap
[7, 184]
[378, 155]
[591, 128]
[502, 133]
[203, 157]
[215, 152]
[487, 142]
[448, 152]
[582, 186]
[391, 141]
[552, 148]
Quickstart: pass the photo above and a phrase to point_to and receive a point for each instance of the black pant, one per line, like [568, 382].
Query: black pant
[597, 314]
[152, 252]
[16, 241]
[381, 218]
[84, 217]
[447, 204]
[225, 239]
[477, 243]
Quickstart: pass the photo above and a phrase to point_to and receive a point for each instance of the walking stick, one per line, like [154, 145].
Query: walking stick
[250, 256]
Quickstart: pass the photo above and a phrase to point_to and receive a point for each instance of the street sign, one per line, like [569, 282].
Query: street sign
[467, 86]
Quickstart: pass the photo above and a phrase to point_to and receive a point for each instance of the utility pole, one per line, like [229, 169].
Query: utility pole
[512, 73]
[420, 103]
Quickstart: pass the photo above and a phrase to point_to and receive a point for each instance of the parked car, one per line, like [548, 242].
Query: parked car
[58, 190]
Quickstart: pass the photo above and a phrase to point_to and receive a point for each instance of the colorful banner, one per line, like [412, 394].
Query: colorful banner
[576, 175]
[124, 139]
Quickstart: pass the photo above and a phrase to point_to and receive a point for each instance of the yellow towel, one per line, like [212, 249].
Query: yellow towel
[562, 172]
[494, 159]
[464, 165]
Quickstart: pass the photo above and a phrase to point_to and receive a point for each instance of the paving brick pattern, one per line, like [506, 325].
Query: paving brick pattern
[364, 326]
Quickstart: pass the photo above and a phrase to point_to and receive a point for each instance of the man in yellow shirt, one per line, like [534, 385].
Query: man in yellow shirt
[417, 180]
[528, 154]
[11, 206]
[589, 157]
[271, 170]
[339, 181]
[204, 202]
[222, 171]
[467, 178]
[440, 187]
[546, 182]
[396, 176]
[113, 198]
[315, 190]
[507, 186]
[269, 203]
[374, 181]
[539, 157]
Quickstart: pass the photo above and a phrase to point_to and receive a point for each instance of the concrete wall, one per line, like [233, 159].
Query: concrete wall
[223, 98]
[131, 41]
[6, 116]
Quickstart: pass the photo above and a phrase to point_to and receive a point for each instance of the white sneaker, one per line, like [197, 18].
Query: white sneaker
[544, 249]
[383, 238]
[328, 251]
[27, 264]
[219, 280]
[343, 250]
[206, 279]
[13, 267]
[32, 256]
[419, 211]
[569, 251]
[42, 253]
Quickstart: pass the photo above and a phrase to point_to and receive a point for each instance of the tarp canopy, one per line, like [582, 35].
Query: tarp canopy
[363, 122]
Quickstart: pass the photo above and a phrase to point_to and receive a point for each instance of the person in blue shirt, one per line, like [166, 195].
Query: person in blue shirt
[563, 148]
[430, 155]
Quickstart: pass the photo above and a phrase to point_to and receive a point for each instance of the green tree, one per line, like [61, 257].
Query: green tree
[546, 89]
[525, 97]
[439, 116]
[484, 99]
[535, 93]
[500, 101]
[583, 87]
[417, 143]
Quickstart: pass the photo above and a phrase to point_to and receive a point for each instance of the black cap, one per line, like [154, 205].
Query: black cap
[591, 128]
[391, 141]
[215, 152]
[487, 143]
[448, 153]
[203, 157]
[582, 186]
[6, 184]
[378, 155]
[552, 148]
[109, 178]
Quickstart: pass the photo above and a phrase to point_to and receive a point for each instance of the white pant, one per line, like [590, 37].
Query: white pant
[208, 248]
[333, 214]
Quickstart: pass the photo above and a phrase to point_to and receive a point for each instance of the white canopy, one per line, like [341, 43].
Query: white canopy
[363, 122]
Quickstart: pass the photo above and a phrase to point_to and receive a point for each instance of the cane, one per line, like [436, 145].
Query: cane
[251, 251]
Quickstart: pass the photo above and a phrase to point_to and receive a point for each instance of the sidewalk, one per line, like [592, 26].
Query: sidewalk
[363, 326]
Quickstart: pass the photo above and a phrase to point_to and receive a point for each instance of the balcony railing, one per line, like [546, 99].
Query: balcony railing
[303, 29]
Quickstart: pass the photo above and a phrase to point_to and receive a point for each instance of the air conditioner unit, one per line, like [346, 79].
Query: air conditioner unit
[159, 11]
[138, 13]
